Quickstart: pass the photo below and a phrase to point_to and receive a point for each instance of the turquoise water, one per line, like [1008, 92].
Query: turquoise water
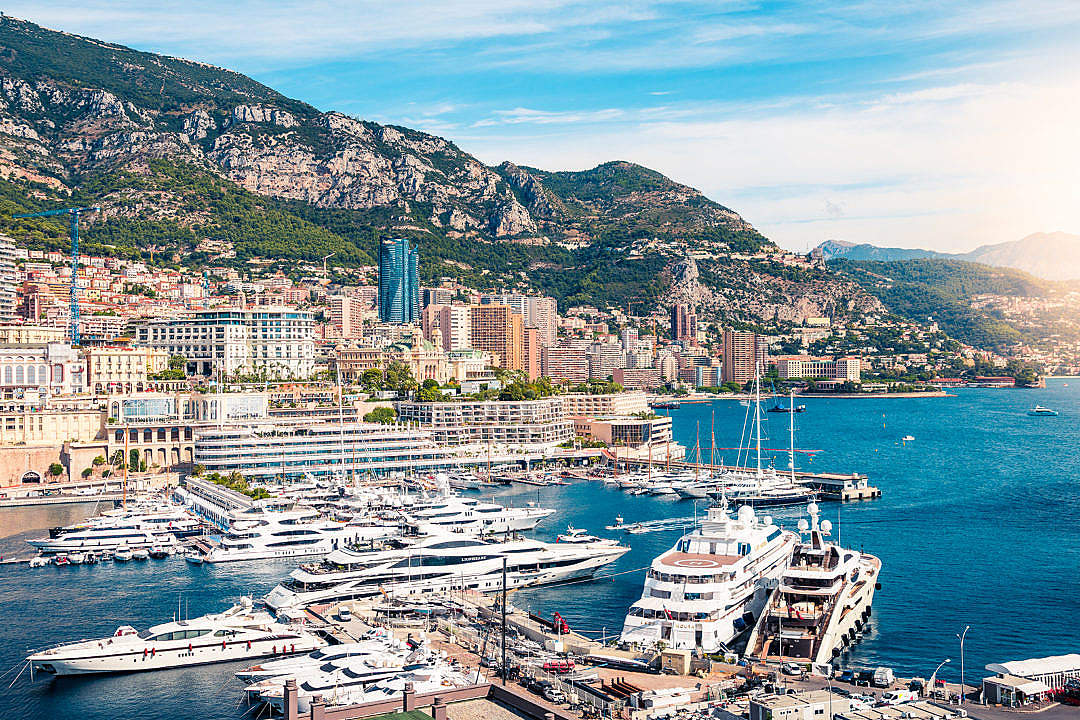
[979, 525]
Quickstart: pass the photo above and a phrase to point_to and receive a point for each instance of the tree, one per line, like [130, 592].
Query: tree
[198, 470]
[382, 414]
[56, 469]
[99, 460]
[177, 362]
[87, 472]
[133, 458]
[372, 379]
[117, 458]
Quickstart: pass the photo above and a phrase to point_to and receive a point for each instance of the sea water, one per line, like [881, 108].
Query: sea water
[979, 524]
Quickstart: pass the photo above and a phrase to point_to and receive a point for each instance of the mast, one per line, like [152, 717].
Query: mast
[697, 446]
[341, 419]
[791, 430]
[757, 415]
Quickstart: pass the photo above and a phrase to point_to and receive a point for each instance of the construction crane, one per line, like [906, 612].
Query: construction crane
[74, 213]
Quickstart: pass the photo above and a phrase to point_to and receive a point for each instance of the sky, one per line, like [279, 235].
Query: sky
[938, 124]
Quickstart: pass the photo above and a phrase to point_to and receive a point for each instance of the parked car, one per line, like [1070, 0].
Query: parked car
[847, 676]
[865, 677]
[344, 614]
[792, 669]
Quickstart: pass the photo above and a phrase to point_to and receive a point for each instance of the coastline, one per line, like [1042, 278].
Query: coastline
[704, 398]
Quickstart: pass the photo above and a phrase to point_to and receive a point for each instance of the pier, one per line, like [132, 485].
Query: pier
[832, 486]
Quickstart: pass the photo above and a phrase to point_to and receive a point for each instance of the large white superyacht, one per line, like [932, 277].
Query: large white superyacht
[440, 564]
[261, 533]
[823, 600]
[469, 515]
[239, 633]
[712, 584]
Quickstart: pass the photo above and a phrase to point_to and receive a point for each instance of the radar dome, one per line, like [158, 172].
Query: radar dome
[803, 526]
[812, 508]
[746, 514]
[826, 526]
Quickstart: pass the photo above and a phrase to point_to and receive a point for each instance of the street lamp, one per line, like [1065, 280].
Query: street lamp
[828, 681]
[962, 636]
[933, 677]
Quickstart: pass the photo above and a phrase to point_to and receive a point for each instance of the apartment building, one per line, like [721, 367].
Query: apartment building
[745, 355]
[346, 316]
[448, 325]
[536, 311]
[804, 366]
[122, 369]
[528, 423]
[275, 340]
[566, 361]
[352, 360]
[45, 369]
[498, 330]
[583, 404]
[8, 279]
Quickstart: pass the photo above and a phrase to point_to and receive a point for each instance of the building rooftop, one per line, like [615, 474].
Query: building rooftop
[1037, 666]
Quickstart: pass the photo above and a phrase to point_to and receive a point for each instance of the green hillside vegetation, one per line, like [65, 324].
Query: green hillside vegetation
[943, 289]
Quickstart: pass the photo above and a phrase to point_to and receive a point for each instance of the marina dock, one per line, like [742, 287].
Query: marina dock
[832, 486]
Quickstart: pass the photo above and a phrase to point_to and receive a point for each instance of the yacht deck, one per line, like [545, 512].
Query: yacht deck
[698, 561]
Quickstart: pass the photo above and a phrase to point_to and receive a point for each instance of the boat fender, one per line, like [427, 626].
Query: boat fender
[223, 643]
[274, 649]
[189, 647]
[292, 648]
[145, 652]
[249, 645]
[152, 651]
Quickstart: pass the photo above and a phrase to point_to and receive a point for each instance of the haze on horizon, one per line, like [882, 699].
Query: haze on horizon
[937, 125]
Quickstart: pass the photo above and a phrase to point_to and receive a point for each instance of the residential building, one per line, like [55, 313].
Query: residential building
[629, 338]
[122, 369]
[435, 296]
[603, 359]
[637, 378]
[399, 284]
[531, 350]
[584, 404]
[683, 323]
[536, 311]
[745, 355]
[31, 334]
[278, 341]
[8, 280]
[528, 423]
[566, 361]
[448, 325]
[804, 366]
[498, 330]
[346, 316]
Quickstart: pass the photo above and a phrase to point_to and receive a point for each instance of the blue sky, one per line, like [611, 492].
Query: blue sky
[932, 124]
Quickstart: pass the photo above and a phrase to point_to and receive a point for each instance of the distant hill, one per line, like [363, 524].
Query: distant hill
[1051, 256]
[834, 249]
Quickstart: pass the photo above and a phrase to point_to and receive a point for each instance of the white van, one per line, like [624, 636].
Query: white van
[883, 677]
[895, 697]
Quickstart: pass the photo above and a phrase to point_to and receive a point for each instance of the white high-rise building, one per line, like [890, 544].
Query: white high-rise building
[8, 279]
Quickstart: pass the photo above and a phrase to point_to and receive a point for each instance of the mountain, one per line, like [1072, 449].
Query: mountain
[198, 165]
[834, 249]
[1051, 256]
[987, 307]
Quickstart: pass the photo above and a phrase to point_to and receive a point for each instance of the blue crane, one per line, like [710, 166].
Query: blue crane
[74, 213]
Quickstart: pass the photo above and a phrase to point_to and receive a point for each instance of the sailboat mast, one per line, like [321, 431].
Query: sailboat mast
[757, 415]
[791, 430]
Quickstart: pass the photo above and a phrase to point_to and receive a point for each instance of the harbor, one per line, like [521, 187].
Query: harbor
[593, 609]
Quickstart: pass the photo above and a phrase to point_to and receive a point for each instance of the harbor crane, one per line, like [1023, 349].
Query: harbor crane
[74, 213]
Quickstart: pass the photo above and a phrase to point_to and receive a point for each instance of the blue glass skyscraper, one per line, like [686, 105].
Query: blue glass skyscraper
[399, 282]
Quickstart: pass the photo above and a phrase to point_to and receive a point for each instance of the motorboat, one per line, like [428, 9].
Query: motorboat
[439, 564]
[159, 552]
[712, 584]
[471, 516]
[290, 666]
[122, 554]
[239, 633]
[193, 556]
[99, 539]
[1040, 411]
[581, 536]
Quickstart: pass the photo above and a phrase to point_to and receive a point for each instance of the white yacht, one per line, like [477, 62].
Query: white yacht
[439, 564]
[102, 538]
[581, 536]
[159, 518]
[259, 534]
[290, 666]
[823, 600]
[236, 634]
[470, 515]
[712, 584]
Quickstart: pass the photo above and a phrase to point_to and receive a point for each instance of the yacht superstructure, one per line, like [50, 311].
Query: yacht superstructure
[470, 515]
[712, 584]
[440, 564]
[823, 599]
[239, 633]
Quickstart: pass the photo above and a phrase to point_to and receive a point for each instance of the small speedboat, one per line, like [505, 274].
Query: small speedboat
[140, 554]
[38, 561]
[122, 554]
[90, 559]
[76, 558]
[194, 557]
[159, 551]
[61, 560]
[908, 438]
[1040, 411]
